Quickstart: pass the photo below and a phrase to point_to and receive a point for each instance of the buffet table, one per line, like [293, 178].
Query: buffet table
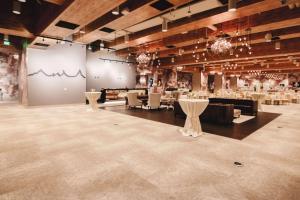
[92, 97]
[193, 109]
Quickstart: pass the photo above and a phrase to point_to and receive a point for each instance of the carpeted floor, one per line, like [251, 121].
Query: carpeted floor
[68, 153]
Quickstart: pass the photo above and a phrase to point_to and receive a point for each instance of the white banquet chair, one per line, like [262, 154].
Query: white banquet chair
[154, 100]
[133, 101]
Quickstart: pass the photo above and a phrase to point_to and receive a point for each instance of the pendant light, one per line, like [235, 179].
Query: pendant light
[126, 38]
[164, 25]
[277, 45]
[16, 7]
[116, 11]
[231, 5]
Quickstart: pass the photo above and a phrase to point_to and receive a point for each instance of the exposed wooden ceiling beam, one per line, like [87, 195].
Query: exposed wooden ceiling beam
[139, 12]
[58, 2]
[262, 49]
[204, 19]
[80, 12]
[17, 32]
[259, 23]
[285, 33]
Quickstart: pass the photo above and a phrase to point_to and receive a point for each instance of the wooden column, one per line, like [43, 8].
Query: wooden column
[196, 81]
[218, 82]
[233, 83]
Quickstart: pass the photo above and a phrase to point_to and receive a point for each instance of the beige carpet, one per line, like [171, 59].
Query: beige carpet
[67, 153]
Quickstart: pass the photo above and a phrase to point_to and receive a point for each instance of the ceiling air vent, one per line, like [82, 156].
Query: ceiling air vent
[170, 46]
[107, 30]
[162, 5]
[67, 25]
[41, 44]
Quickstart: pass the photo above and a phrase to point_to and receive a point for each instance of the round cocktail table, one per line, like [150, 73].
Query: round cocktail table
[193, 109]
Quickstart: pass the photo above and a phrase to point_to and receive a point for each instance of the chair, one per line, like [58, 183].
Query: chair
[133, 100]
[154, 100]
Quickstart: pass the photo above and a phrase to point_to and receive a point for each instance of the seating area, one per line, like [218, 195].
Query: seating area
[247, 107]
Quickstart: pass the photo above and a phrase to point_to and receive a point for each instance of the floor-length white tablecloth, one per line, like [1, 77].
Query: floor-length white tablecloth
[93, 97]
[193, 109]
[259, 98]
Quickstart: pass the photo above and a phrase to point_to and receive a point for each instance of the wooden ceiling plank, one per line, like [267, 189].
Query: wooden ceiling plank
[262, 49]
[136, 16]
[259, 23]
[80, 12]
[199, 20]
[57, 2]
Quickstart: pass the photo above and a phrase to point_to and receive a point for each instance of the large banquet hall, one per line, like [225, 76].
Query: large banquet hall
[150, 99]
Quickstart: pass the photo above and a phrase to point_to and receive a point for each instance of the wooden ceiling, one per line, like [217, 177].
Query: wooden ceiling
[86, 18]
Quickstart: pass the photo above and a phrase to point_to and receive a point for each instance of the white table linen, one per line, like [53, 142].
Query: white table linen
[193, 109]
[93, 97]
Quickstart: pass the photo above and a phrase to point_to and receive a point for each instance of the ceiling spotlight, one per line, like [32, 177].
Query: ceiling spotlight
[116, 11]
[126, 38]
[6, 41]
[89, 47]
[231, 5]
[268, 37]
[23, 1]
[277, 45]
[291, 6]
[16, 7]
[101, 44]
[180, 51]
[125, 11]
[6, 38]
[164, 25]
[189, 12]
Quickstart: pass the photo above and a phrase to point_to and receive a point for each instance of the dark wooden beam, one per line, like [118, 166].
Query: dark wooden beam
[259, 50]
[199, 20]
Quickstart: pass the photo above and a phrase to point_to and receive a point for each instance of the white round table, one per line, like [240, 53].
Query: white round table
[258, 97]
[193, 109]
[93, 97]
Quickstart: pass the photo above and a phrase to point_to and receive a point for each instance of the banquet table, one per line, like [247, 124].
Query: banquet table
[168, 101]
[93, 97]
[259, 98]
[193, 109]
